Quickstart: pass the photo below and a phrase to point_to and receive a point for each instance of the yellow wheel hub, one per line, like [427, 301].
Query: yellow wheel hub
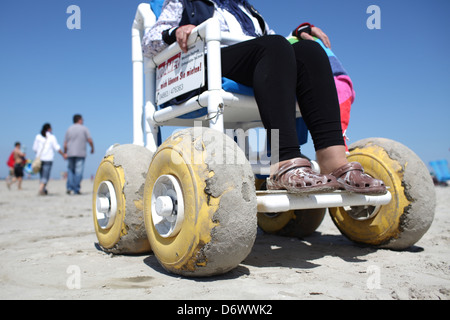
[109, 229]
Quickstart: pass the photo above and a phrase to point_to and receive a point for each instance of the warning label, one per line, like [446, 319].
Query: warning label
[181, 73]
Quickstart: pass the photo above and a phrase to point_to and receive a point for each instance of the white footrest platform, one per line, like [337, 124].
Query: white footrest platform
[281, 201]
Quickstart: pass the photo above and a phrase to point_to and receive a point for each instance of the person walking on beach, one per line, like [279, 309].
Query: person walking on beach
[18, 164]
[77, 136]
[45, 145]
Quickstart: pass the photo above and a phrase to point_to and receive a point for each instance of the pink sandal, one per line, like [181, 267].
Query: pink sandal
[351, 177]
[297, 176]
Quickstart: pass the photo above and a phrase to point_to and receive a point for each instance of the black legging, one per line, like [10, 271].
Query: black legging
[268, 65]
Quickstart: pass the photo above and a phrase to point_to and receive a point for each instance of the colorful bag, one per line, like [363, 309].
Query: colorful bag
[11, 161]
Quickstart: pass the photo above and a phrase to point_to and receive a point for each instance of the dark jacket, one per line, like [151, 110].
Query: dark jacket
[198, 11]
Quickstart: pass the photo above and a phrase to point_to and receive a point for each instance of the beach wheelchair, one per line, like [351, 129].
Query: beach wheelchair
[197, 198]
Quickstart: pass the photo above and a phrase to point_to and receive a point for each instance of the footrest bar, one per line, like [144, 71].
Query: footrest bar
[281, 201]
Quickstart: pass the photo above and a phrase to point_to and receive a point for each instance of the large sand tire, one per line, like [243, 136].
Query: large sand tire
[117, 200]
[401, 223]
[205, 172]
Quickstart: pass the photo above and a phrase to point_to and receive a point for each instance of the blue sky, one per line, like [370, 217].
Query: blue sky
[48, 72]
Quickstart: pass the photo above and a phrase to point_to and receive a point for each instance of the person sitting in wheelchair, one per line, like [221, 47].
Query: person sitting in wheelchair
[279, 73]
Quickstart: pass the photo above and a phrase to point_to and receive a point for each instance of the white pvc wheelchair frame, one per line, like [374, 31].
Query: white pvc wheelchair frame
[146, 124]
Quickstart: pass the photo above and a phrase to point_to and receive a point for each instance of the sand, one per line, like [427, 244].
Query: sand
[48, 251]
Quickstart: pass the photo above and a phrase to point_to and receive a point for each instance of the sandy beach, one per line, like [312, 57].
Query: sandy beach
[48, 251]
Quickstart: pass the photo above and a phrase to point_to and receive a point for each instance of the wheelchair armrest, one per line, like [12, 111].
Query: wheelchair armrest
[207, 31]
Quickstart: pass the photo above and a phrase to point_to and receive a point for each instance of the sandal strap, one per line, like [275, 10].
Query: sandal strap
[352, 166]
[291, 165]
